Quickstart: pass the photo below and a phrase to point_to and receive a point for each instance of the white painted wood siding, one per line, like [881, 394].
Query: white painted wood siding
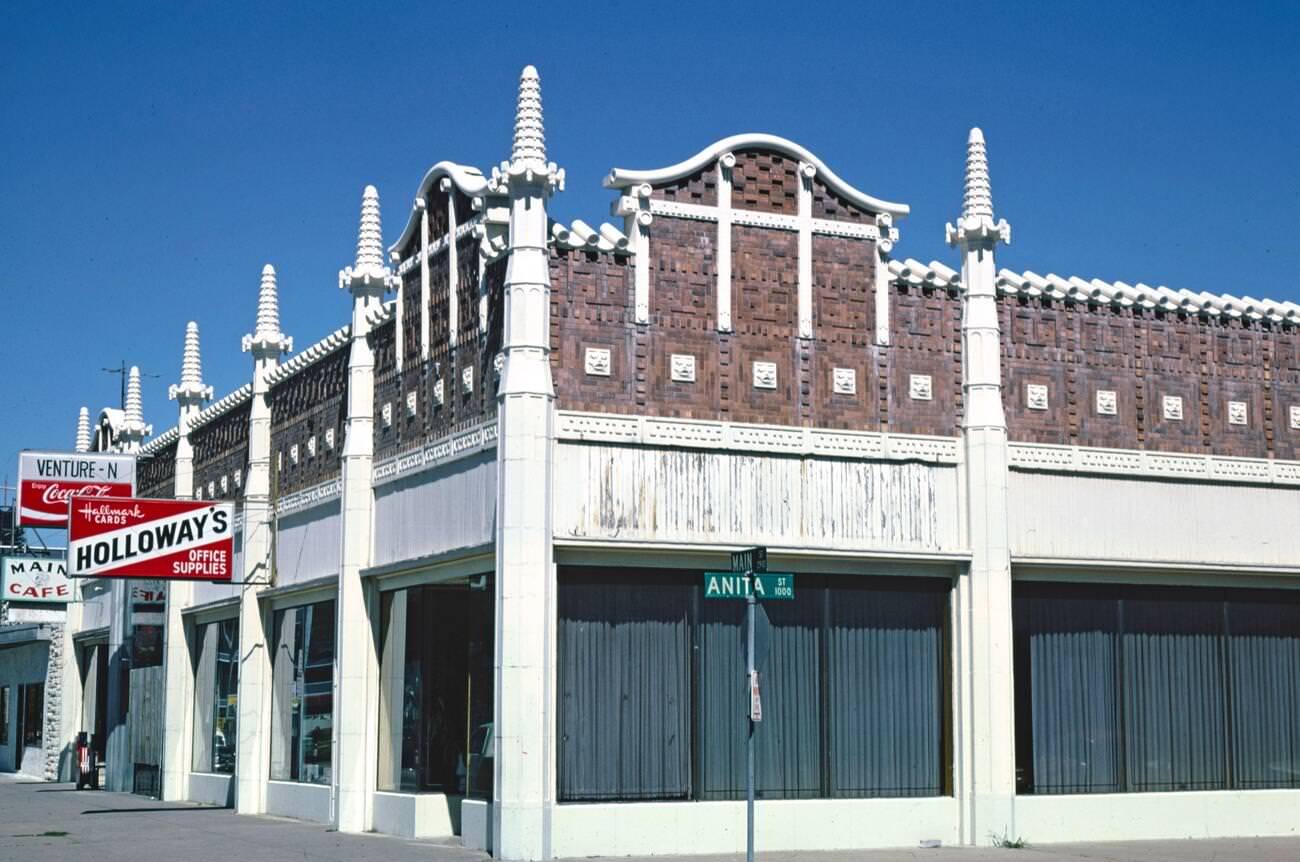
[307, 544]
[1107, 518]
[677, 495]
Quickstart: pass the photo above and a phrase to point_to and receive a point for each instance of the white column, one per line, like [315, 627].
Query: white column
[178, 669]
[726, 162]
[425, 290]
[356, 659]
[524, 791]
[986, 743]
[252, 749]
[635, 209]
[887, 234]
[805, 218]
[453, 263]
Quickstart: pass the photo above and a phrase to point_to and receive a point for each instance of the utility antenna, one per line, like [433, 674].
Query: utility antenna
[122, 371]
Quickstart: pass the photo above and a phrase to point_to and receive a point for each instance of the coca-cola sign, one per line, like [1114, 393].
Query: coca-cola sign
[48, 481]
[113, 537]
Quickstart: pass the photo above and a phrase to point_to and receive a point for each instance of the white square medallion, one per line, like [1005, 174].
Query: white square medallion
[844, 381]
[498, 363]
[764, 375]
[1172, 407]
[225, 484]
[438, 396]
[682, 368]
[212, 489]
[239, 478]
[329, 440]
[410, 403]
[1107, 403]
[1036, 396]
[386, 414]
[1295, 417]
[467, 380]
[596, 361]
[293, 454]
[311, 446]
[920, 387]
[1237, 413]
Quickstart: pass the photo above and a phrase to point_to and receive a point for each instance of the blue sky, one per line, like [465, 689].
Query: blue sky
[153, 159]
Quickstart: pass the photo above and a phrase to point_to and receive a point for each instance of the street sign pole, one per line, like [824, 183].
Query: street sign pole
[749, 743]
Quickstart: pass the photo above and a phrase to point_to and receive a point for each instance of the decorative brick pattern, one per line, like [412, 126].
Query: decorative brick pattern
[156, 475]
[301, 407]
[221, 449]
[698, 188]
[765, 181]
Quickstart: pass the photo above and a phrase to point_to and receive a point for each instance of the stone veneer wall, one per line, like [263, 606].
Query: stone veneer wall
[52, 734]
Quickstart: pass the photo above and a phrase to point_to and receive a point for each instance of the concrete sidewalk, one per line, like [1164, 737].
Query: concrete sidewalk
[54, 822]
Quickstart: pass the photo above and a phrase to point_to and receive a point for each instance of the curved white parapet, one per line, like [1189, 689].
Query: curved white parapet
[467, 179]
[622, 178]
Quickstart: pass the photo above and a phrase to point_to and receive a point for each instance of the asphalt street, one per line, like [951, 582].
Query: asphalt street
[54, 822]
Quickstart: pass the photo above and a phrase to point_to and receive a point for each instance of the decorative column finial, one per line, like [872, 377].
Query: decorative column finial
[368, 277]
[83, 430]
[191, 389]
[134, 429]
[530, 136]
[267, 338]
[976, 224]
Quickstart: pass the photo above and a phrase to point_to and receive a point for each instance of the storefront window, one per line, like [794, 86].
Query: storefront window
[435, 706]
[302, 695]
[1132, 689]
[653, 702]
[216, 691]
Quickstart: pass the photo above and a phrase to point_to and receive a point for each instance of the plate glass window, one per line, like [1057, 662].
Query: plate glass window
[216, 697]
[302, 693]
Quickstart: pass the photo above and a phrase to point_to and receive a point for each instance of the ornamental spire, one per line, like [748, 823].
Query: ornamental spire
[368, 273]
[134, 406]
[978, 200]
[370, 237]
[191, 387]
[83, 430]
[530, 137]
[267, 336]
[976, 224]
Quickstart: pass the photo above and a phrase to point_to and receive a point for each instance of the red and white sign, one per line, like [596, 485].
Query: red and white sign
[178, 540]
[47, 482]
[35, 579]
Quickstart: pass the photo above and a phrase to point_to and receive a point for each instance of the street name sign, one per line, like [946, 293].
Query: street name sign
[185, 540]
[47, 482]
[730, 585]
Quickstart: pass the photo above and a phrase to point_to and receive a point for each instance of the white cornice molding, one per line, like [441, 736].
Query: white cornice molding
[468, 179]
[309, 357]
[738, 436]
[621, 178]
[453, 447]
[1162, 465]
[308, 497]
[775, 221]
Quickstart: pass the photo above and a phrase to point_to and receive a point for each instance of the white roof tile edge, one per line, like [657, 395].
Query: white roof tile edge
[1098, 292]
[621, 178]
[162, 441]
[579, 234]
[223, 405]
[318, 351]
